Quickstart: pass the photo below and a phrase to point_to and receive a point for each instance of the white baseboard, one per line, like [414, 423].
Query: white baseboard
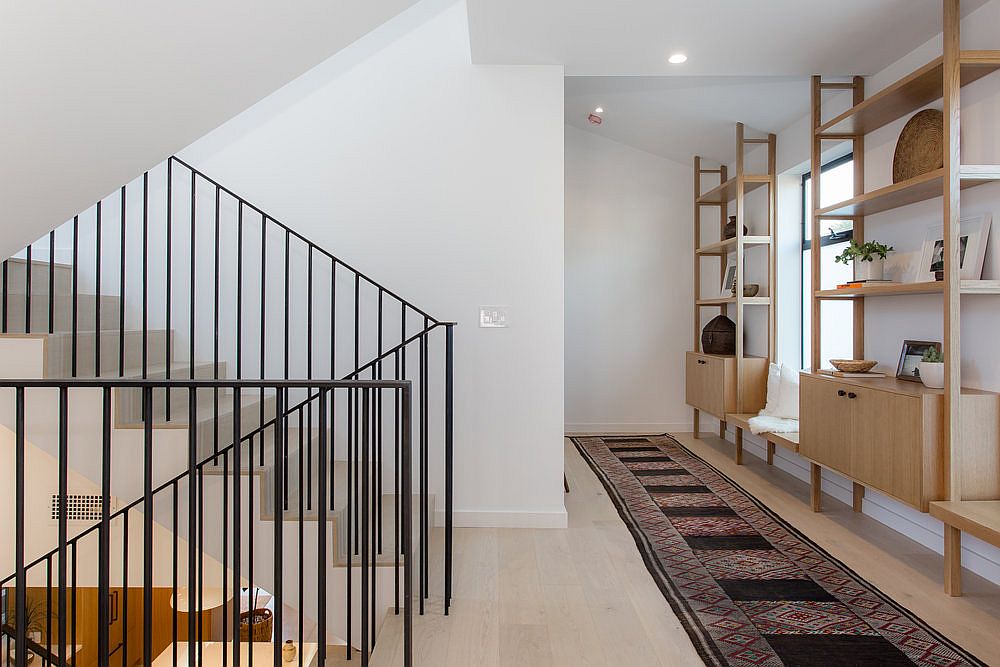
[977, 556]
[497, 519]
[637, 427]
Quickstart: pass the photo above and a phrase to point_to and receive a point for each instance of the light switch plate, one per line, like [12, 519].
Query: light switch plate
[493, 317]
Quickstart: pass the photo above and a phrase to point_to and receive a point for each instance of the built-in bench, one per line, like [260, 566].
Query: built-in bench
[979, 518]
[741, 421]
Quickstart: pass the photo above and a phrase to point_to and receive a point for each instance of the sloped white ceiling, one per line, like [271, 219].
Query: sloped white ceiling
[96, 91]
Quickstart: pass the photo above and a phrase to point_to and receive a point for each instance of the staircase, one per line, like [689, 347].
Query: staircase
[242, 410]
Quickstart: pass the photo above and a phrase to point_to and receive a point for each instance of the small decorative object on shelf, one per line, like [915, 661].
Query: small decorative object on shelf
[911, 356]
[730, 230]
[920, 148]
[288, 651]
[729, 280]
[749, 290]
[868, 258]
[932, 369]
[853, 365]
[719, 336]
[975, 232]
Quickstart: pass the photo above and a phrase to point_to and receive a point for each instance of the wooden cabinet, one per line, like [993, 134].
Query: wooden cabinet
[711, 383]
[888, 435]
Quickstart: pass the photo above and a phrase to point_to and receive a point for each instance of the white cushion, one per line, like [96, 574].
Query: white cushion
[788, 395]
[773, 389]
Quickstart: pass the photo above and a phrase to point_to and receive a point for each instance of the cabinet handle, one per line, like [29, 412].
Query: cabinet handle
[852, 395]
[702, 362]
[841, 392]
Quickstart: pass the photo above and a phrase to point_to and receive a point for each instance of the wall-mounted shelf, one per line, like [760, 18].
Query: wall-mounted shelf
[904, 289]
[910, 93]
[726, 192]
[729, 245]
[917, 189]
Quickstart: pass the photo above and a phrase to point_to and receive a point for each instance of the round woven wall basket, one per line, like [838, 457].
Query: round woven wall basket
[920, 148]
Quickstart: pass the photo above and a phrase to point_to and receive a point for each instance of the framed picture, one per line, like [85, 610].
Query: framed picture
[975, 232]
[910, 357]
[728, 279]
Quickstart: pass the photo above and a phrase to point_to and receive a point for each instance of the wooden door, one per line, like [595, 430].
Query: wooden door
[705, 381]
[887, 453]
[825, 423]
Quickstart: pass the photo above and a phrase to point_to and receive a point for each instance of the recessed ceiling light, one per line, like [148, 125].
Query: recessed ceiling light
[677, 59]
[599, 110]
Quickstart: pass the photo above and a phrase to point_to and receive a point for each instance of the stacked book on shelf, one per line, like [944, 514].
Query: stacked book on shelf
[855, 284]
[841, 374]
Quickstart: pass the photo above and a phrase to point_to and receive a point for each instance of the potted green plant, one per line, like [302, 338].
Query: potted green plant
[932, 369]
[868, 258]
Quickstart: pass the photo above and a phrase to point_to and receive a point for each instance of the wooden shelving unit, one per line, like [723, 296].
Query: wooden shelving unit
[961, 426]
[721, 385]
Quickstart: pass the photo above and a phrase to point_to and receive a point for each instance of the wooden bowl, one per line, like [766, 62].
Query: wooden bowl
[853, 365]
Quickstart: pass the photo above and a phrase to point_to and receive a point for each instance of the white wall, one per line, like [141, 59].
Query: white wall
[628, 287]
[891, 320]
[444, 181]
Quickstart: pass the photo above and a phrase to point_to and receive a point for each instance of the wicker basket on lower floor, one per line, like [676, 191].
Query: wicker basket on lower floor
[256, 625]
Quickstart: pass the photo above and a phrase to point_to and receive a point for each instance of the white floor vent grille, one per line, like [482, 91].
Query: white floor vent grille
[80, 507]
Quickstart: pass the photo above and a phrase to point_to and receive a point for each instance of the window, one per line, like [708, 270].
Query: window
[837, 336]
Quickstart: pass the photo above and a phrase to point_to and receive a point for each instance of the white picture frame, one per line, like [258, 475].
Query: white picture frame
[975, 234]
[728, 279]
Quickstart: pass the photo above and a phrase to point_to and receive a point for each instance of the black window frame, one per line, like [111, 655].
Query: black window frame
[824, 240]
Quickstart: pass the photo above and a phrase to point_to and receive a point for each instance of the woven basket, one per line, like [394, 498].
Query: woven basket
[920, 148]
[262, 623]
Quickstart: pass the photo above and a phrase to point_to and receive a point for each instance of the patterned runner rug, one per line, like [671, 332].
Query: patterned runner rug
[747, 586]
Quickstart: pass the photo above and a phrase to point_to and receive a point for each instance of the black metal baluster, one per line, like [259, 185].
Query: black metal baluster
[287, 305]
[121, 293]
[174, 571]
[215, 339]
[378, 430]
[375, 504]
[97, 305]
[145, 276]
[52, 281]
[3, 323]
[237, 501]
[194, 252]
[225, 557]
[321, 556]
[76, 291]
[365, 487]
[168, 270]
[250, 532]
[193, 519]
[73, 606]
[21, 576]
[302, 540]
[279, 521]
[48, 609]
[407, 511]
[422, 465]
[27, 290]
[63, 520]
[397, 546]
[349, 516]
[104, 546]
[333, 376]
[449, 460]
[357, 363]
[125, 590]
[147, 528]
[309, 342]
[263, 306]
[201, 559]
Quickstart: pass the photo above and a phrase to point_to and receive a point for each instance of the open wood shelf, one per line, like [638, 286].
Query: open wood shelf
[910, 93]
[726, 191]
[903, 289]
[976, 517]
[747, 301]
[913, 190]
[729, 245]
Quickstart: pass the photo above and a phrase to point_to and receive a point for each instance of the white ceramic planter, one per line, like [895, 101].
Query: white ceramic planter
[932, 374]
[873, 270]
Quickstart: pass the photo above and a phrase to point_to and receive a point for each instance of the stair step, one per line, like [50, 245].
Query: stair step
[17, 276]
[62, 311]
[60, 352]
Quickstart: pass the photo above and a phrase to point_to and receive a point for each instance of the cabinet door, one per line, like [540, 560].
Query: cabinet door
[705, 378]
[887, 452]
[825, 418]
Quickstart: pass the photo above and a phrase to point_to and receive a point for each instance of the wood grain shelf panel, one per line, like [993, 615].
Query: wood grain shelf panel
[726, 191]
[747, 301]
[913, 190]
[910, 93]
[729, 245]
[904, 289]
[976, 517]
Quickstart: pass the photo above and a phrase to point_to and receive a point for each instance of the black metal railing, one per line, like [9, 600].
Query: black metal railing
[176, 276]
[88, 623]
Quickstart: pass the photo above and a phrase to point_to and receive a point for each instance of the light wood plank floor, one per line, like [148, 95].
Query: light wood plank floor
[582, 596]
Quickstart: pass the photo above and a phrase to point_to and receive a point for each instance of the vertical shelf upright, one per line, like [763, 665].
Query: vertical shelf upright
[724, 384]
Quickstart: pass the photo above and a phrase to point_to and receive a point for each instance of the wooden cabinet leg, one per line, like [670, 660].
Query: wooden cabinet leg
[816, 487]
[770, 453]
[722, 429]
[859, 496]
[952, 561]
[739, 446]
[697, 416]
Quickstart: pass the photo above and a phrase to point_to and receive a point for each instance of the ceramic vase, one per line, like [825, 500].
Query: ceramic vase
[288, 651]
[932, 374]
[873, 270]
